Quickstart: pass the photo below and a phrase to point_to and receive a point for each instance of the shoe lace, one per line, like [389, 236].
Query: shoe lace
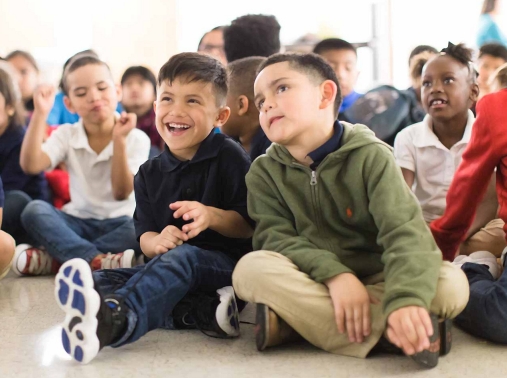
[40, 262]
[111, 261]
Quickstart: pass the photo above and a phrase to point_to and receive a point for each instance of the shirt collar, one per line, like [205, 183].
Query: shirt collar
[330, 146]
[427, 138]
[208, 149]
[81, 141]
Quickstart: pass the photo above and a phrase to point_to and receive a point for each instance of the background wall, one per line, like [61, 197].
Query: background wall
[131, 32]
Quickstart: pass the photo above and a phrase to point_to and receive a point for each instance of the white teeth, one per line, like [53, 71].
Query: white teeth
[438, 102]
[178, 126]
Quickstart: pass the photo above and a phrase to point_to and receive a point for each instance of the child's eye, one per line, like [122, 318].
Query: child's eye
[193, 101]
[80, 94]
[102, 88]
[281, 88]
[449, 80]
[165, 98]
[259, 104]
[426, 83]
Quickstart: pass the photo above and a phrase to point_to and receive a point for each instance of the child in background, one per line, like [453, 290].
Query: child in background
[7, 243]
[191, 219]
[491, 57]
[333, 243]
[59, 114]
[342, 57]
[28, 76]
[486, 312]
[19, 187]
[243, 124]
[418, 58]
[430, 152]
[212, 43]
[139, 92]
[102, 152]
[251, 35]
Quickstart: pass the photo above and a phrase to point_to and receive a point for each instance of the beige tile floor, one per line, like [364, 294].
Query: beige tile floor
[30, 347]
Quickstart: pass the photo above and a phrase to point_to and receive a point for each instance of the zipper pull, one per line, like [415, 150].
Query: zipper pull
[313, 181]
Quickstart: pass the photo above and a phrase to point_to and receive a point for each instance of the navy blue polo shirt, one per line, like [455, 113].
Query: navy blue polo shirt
[330, 146]
[214, 177]
[1, 195]
[12, 175]
[259, 145]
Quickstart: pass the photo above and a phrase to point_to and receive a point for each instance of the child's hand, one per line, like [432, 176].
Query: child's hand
[351, 306]
[124, 124]
[44, 98]
[170, 238]
[192, 210]
[409, 328]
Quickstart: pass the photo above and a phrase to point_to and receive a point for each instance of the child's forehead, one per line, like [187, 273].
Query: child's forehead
[276, 72]
[444, 64]
[184, 84]
[89, 73]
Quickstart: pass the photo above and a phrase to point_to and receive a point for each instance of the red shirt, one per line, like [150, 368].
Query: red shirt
[486, 151]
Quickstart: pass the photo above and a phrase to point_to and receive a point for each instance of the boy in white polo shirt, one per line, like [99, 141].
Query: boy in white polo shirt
[429, 152]
[102, 152]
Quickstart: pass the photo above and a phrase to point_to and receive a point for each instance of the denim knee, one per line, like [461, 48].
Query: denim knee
[33, 210]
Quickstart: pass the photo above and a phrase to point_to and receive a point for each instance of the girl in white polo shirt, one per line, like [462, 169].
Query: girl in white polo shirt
[102, 152]
[429, 152]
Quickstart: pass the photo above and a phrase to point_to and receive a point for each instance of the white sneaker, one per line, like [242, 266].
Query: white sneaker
[31, 261]
[124, 259]
[482, 258]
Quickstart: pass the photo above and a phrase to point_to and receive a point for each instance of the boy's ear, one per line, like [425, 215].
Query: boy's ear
[119, 92]
[222, 116]
[328, 91]
[243, 104]
[474, 93]
[68, 104]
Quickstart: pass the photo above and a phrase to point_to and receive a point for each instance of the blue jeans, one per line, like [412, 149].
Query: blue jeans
[66, 237]
[152, 291]
[486, 312]
[15, 203]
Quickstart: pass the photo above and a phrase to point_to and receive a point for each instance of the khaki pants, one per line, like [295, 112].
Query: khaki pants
[272, 279]
[490, 238]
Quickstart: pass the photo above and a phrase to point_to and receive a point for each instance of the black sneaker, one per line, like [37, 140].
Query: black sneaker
[91, 322]
[217, 313]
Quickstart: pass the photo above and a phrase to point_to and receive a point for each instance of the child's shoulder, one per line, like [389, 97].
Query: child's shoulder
[413, 132]
[228, 148]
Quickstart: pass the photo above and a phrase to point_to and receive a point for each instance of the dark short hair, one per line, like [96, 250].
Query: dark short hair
[333, 44]
[420, 49]
[488, 6]
[84, 52]
[311, 65]
[192, 67]
[252, 35]
[78, 62]
[24, 54]
[496, 50]
[242, 73]
[463, 55]
[142, 71]
[205, 34]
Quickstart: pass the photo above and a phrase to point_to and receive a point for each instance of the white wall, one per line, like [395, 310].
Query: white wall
[123, 32]
[128, 32]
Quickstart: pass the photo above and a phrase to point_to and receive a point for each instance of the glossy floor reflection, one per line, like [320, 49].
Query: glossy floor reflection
[30, 347]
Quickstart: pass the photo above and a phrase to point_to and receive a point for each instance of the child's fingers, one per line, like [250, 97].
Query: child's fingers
[358, 323]
[192, 214]
[405, 344]
[159, 249]
[195, 232]
[174, 234]
[392, 337]
[183, 209]
[339, 315]
[423, 341]
[426, 320]
[366, 320]
[349, 320]
[409, 331]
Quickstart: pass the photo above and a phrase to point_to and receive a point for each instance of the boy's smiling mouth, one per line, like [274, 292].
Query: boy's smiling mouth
[272, 120]
[177, 128]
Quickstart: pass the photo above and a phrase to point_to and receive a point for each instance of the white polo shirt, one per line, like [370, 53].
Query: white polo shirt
[419, 150]
[91, 190]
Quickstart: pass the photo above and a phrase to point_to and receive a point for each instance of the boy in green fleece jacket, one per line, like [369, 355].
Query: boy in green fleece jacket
[344, 255]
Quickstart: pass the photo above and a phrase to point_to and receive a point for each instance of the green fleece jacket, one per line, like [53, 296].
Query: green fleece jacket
[354, 214]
